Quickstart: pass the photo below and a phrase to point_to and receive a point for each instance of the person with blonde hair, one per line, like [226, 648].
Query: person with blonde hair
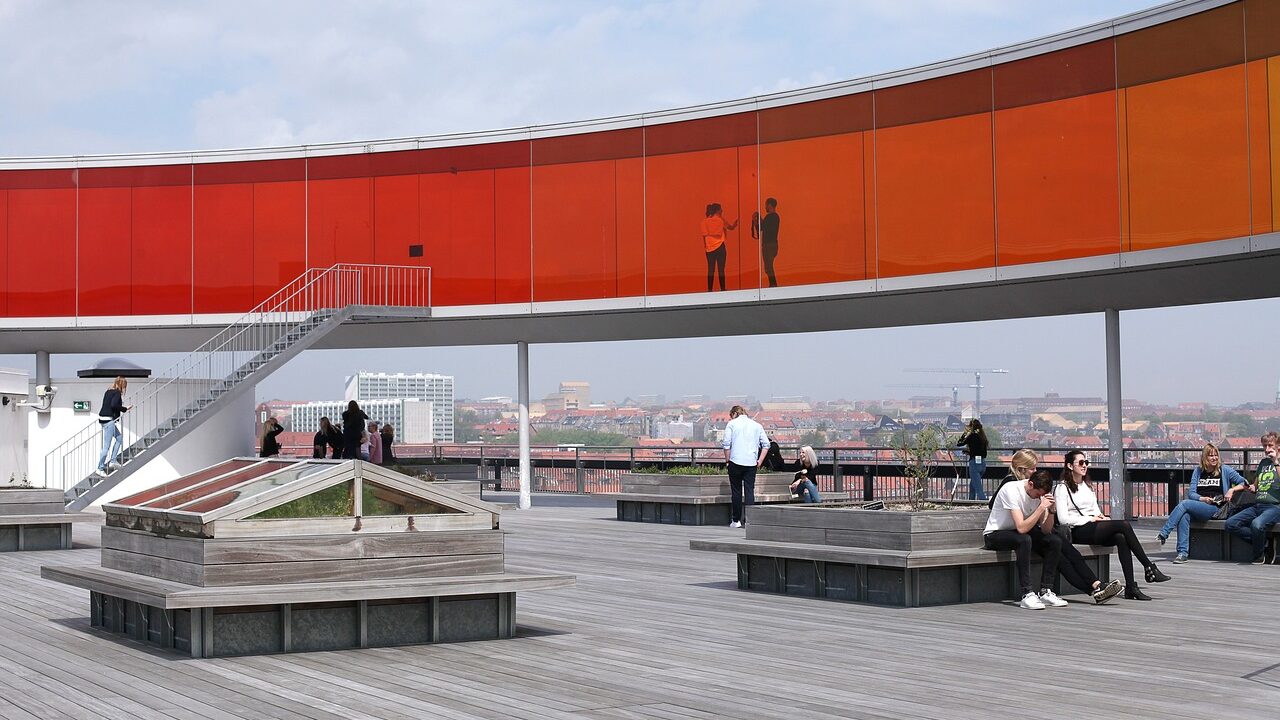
[1212, 485]
[805, 484]
[109, 418]
[268, 445]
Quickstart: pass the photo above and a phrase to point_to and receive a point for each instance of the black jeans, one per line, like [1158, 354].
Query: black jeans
[770, 252]
[1117, 534]
[740, 475]
[1048, 546]
[716, 260]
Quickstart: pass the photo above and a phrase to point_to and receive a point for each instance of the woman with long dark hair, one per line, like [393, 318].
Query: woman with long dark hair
[353, 420]
[713, 229]
[974, 441]
[1078, 509]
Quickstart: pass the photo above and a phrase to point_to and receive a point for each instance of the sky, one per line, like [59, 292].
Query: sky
[92, 77]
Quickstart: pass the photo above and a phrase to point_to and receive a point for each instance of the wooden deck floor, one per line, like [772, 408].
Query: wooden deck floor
[654, 630]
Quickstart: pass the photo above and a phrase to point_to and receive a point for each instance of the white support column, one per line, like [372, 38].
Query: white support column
[1115, 420]
[522, 353]
[42, 367]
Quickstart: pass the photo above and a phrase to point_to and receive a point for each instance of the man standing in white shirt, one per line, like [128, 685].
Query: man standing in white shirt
[745, 445]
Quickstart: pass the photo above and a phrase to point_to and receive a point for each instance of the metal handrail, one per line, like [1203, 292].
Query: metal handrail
[228, 357]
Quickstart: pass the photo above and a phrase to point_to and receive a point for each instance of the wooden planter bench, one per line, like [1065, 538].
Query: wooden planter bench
[1211, 541]
[690, 499]
[881, 557]
[35, 519]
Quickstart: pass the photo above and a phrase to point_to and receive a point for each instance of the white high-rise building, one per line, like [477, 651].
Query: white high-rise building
[438, 389]
[411, 417]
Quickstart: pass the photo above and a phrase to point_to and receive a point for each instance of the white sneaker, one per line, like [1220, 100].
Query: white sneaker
[100, 472]
[735, 524]
[1051, 599]
[1031, 601]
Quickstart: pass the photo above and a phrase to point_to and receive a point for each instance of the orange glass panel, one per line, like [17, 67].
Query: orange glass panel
[456, 229]
[746, 265]
[818, 186]
[223, 248]
[162, 249]
[934, 205]
[871, 231]
[1273, 99]
[340, 226]
[105, 254]
[1260, 155]
[512, 236]
[42, 251]
[574, 231]
[279, 236]
[678, 189]
[1188, 159]
[629, 195]
[1057, 195]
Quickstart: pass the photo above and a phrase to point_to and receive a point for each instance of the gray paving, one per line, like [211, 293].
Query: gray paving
[655, 630]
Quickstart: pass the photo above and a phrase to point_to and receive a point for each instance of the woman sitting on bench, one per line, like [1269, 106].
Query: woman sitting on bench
[1022, 520]
[1212, 484]
[805, 485]
[1078, 509]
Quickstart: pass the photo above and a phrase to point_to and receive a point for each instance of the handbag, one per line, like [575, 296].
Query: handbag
[1243, 498]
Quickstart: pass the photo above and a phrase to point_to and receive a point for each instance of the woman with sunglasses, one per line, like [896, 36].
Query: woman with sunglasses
[1212, 484]
[1078, 509]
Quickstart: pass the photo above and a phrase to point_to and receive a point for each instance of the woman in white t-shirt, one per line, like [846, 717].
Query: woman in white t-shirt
[1078, 509]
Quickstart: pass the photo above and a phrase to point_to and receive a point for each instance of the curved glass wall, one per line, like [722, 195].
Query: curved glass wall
[1124, 141]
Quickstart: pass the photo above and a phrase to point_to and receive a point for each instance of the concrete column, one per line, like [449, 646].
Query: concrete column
[1120, 504]
[42, 367]
[522, 353]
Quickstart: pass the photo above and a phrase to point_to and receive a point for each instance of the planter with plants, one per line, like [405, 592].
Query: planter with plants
[690, 494]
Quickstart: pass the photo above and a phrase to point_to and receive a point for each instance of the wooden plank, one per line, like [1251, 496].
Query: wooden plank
[46, 519]
[32, 508]
[217, 551]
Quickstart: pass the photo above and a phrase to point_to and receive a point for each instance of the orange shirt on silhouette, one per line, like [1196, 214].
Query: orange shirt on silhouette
[713, 232]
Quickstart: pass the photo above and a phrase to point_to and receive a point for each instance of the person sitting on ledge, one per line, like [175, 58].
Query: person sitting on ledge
[805, 485]
[1212, 484]
[1252, 523]
[1022, 518]
[1078, 509]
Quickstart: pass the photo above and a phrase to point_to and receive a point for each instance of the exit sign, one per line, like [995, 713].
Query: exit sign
[80, 405]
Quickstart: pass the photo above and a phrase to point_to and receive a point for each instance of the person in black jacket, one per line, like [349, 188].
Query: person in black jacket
[974, 441]
[353, 420]
[388, 434]
[109, 418]
[325, 438]
[268, 443]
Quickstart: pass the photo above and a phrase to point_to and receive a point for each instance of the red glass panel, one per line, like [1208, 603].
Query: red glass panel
[162, 249]
[1056, 184]
[185, 481]
[574, 231]
[42, 252]
[1261, 154]
[967, 93]
[629, 195]
[1262, 28]
[4, 253]
[512, 237]
[935, 210]
[185, 496]
[223, 248]
[833, 116]
[105, 255]
[456, 229]
[725, 131]
[395, 220]
[818, 187]
[340, 228]
[279, 236]
[1081, 70]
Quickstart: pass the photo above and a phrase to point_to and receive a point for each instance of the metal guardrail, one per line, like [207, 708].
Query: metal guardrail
[1157, 477]
[221, 361]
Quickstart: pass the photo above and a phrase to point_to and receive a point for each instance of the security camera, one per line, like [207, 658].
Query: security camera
[46, 390]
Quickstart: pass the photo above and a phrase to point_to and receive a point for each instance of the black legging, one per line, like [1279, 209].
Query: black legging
[770, 252]
[1054, 551]
[716, 260]
[1117, 534]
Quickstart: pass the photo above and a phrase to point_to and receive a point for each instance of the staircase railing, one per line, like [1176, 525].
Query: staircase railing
[220, 362]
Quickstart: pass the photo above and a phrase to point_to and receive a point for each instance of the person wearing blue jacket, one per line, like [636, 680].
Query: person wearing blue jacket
[1212, 484]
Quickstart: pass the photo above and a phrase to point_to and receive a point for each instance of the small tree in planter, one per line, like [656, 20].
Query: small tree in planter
[918, 453]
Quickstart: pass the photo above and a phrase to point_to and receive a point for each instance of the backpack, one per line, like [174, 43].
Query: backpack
[991, 502]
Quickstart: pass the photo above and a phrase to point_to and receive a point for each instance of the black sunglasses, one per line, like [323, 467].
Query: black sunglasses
[1083, 462]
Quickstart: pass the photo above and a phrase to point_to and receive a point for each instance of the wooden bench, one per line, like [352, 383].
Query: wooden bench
[690, 499]
[34, 519]
[901, 578]
[1211, 541]
[297, 617]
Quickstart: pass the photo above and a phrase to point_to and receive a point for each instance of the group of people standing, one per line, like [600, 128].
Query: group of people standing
[765, 229]
[357, 438]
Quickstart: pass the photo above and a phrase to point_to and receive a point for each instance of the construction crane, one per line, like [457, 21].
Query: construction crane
[955, 389]
[977, 381]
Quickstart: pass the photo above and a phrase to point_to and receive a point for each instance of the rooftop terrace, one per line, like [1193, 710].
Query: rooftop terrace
[654, 630]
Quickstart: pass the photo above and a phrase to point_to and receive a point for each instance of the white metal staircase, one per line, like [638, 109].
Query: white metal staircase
[233, 361]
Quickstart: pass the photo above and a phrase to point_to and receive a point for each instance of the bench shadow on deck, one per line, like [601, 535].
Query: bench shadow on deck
[655, 630]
